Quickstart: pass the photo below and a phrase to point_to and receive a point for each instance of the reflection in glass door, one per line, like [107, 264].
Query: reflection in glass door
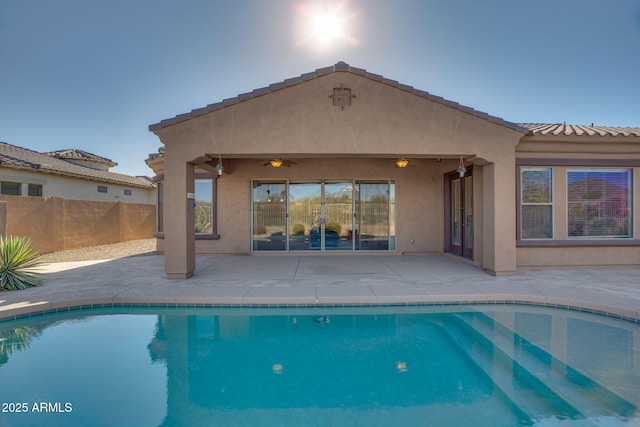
[323, 215]
[305, 216]
[269, 216]
[338, 207]
[373, 217]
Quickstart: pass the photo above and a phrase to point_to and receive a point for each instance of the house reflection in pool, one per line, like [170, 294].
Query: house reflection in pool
[244, 367]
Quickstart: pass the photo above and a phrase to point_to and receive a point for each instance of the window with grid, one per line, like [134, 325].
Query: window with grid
[599, 203]
[11, 188]
[536, 203]
[35, 190]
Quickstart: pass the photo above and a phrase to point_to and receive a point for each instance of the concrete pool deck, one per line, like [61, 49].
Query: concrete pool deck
[320, 280]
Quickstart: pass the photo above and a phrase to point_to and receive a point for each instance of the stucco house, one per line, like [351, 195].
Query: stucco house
[71, 174]
[341, 160]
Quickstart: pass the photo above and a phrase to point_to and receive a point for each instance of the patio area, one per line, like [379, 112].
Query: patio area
[320, 280]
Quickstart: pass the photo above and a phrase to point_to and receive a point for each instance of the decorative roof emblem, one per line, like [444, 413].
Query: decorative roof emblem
[342, 97]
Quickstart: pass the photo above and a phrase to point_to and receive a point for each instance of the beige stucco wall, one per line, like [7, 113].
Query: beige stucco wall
[301, 121]
[567, 152]
[419, 199]
[77, 188]
[585, 256]
[54, 223]
[357, 142]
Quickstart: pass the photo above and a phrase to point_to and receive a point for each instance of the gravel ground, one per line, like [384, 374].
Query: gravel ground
[110, 251]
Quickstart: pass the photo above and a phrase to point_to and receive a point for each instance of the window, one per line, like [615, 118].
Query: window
[11, 188]
[35, 190]
[536, 203]
[102, 189]
[127, 192]
[160, 218]
[323, 215]
[599, 203]
[204, 206]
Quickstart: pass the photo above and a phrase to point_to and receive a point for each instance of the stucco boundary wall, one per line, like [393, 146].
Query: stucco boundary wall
[55, 223]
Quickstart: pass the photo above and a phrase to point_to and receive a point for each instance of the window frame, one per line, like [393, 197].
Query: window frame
[630, 203]
[35, 188]
[198, 207]
[213, 235]
[521, 203]
[160, 208]
[10, 184]
[214, 206]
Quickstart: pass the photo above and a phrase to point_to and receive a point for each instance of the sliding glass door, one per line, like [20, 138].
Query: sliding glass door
[323, 215]
[305, 216]
[338, 208]
[269, 200]
[374, 215]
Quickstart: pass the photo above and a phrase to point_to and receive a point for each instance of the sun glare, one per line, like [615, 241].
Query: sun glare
[324, 25]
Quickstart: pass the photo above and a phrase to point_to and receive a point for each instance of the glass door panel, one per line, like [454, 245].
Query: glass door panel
[305, 216]
[467, 249]
[456, 213]
[461, 215]
[338, 207]
[372, 214]
[269, 216]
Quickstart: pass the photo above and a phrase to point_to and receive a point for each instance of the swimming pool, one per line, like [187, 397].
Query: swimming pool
[481, 365]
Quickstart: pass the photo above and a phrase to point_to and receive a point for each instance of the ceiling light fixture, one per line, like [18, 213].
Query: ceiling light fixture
[402, 163]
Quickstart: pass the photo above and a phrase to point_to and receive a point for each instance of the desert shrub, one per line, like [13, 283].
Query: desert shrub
[297, 229]
[18, 258]
[259, 229]
[333, 226]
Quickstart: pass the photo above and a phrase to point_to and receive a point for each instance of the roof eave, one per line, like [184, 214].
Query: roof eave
[339, 67]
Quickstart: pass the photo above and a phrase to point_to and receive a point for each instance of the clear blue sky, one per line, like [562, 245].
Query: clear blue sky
[93, 74]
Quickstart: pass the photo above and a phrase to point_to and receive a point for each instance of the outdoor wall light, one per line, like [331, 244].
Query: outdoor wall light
[402, 163]
[276, 163]
[219, 166]
[461, 169]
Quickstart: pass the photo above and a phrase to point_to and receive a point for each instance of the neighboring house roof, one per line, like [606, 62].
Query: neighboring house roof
[22, 158]
[339, 67]
[575, 130]
[75, 154]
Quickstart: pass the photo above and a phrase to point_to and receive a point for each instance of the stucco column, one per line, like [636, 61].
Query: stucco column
[179, 218]
[499, 217]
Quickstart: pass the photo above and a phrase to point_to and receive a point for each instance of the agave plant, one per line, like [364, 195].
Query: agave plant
[18, 258]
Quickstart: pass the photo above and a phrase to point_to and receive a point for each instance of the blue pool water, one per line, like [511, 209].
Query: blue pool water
[402, 366]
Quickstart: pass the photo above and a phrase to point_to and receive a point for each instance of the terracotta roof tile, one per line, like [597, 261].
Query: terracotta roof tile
[578, 130]
[339, 67]
[75, 154]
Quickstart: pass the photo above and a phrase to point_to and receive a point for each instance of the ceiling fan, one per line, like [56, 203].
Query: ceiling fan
[403, 162]
[278, 162]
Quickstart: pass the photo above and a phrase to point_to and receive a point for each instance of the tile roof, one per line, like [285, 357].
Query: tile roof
[75, 154]
[575, 130]
[22, 158]
[339, 67]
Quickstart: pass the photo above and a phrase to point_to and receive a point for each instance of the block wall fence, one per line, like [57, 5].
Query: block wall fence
[56, 224]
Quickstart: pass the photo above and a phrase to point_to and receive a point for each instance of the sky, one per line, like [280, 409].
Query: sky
[94, 74]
